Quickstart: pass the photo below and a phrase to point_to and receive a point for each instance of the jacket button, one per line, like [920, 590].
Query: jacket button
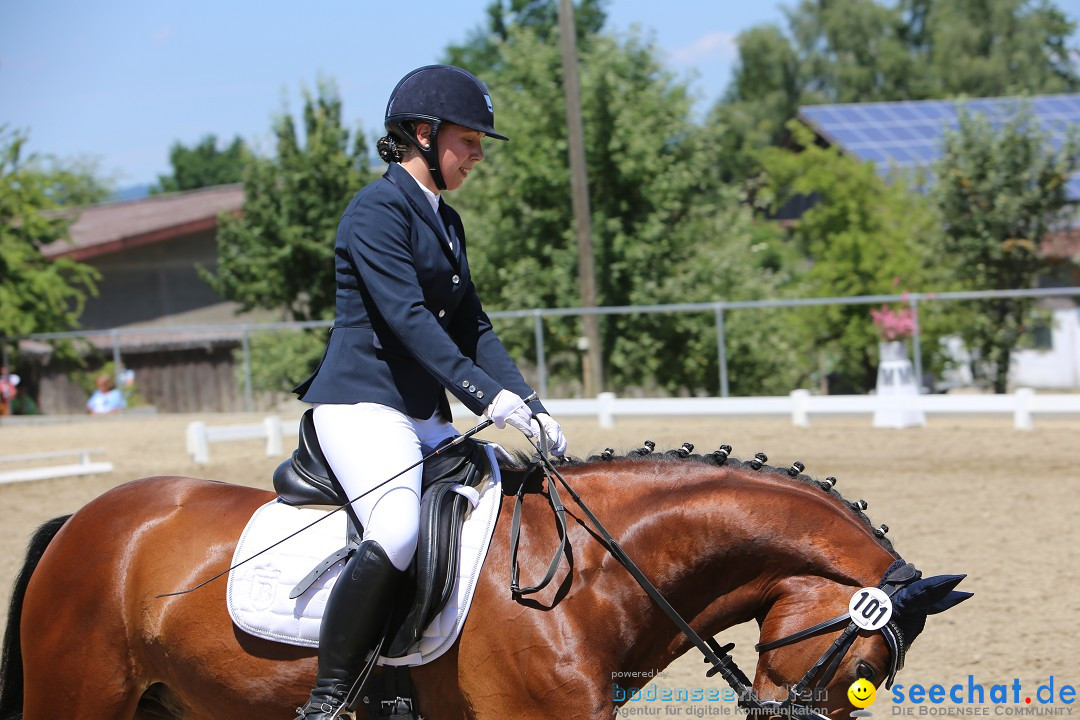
[464, 383]
[442, 313]
[472, 388]
[455, 279]
[479, 394]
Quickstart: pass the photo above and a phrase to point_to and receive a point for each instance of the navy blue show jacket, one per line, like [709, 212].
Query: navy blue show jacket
[408, 321]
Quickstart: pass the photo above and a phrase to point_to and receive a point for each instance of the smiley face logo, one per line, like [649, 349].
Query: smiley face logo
[862, 693]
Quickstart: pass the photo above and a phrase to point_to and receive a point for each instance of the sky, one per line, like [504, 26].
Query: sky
[120, 81]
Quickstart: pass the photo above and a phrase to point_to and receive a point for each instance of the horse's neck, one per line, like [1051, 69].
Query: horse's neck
[724, 544]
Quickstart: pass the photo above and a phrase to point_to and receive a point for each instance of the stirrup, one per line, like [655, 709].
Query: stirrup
[342, 713]
[399, 707]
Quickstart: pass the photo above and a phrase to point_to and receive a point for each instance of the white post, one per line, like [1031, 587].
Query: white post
[800, 408]
[272, 424]
[1022, 419]
[606, 412]
[197, 445]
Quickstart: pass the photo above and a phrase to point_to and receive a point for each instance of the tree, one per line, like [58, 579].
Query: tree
[865, 51]
[279, 254]
[862, 236]
[37, 294]
[663, 231]
[765, 93]
[988, 48]
[480, 52]
[1001, 188]
[203, 165]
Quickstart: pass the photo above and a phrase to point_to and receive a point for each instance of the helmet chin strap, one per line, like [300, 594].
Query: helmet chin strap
[431, 154]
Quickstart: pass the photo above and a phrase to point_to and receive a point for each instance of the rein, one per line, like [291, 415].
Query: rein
[896, 576]
[716, 655]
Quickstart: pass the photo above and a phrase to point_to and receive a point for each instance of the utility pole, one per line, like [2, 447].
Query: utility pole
[579, 188]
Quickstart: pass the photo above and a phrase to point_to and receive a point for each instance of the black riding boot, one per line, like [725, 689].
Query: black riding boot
[354, 619]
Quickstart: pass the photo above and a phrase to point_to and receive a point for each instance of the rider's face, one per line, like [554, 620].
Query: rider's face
[459, 150]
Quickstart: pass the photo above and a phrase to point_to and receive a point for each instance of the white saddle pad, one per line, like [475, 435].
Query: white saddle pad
[258, 590]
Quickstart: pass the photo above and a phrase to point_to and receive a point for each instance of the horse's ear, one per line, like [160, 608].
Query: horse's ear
[930, 595]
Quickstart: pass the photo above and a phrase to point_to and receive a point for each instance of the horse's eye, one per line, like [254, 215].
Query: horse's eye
[864, 671]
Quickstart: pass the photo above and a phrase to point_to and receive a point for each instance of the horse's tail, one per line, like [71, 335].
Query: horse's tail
[11, 668]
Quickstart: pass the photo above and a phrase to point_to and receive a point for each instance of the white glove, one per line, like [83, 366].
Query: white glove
[554, 433]
[509, 408]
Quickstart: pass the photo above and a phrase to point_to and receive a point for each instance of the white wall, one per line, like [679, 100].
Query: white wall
[1057, 368]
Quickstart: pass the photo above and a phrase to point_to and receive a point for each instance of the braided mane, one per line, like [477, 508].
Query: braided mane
[718, 458]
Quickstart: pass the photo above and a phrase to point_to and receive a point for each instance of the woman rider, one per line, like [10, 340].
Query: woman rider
[408, 327]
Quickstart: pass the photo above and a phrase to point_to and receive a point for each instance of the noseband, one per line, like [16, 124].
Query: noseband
[898, 575]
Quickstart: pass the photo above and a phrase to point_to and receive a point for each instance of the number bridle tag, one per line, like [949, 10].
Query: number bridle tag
[870, 608]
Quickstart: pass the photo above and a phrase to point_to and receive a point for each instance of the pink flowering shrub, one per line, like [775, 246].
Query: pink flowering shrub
[894, 324]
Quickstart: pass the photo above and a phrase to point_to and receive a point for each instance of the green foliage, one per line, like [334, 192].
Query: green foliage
[480, 53]
[281, 359]
[765, 92]
[1000, 190]
[203, 165]
[862, 236]
[280, 253]
[852, 50]
[39, 295]
[986, 48]
[663, 231]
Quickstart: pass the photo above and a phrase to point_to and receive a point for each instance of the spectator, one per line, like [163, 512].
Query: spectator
[106, 399]
[9, 383]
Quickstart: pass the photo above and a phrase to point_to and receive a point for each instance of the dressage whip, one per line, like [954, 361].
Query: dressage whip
[482, 425]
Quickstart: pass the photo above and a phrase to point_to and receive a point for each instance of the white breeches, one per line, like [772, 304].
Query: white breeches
[367, 443]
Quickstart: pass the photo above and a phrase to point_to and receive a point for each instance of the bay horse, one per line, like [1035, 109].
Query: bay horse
[724, 541]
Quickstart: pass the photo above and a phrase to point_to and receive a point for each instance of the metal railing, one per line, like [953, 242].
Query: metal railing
[719, 309]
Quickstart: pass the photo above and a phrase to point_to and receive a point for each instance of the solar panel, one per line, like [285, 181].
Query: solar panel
[875, 155]
[911, 134]
[925, 154]
[877, 113]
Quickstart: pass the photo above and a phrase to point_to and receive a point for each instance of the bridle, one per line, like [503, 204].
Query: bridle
[898, 575]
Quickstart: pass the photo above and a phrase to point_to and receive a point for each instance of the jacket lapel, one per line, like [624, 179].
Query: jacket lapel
[405, 183]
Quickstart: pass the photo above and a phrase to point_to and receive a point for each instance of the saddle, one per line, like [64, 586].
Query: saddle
[306, 479]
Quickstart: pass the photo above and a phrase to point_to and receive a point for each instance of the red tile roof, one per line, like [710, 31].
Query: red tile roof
[1062, 245]
[112, 227]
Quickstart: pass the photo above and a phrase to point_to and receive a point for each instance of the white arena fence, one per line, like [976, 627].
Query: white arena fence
[1023, 405]
[82, 466]
[199, 435]
[719, 310]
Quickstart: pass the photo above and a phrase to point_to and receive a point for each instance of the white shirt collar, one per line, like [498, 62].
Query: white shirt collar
[432, 198]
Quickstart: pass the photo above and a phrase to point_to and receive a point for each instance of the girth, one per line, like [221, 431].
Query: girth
[306, 479]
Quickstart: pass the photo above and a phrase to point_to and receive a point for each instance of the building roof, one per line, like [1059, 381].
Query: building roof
[130, 344]
[909, 135]
[112, 227]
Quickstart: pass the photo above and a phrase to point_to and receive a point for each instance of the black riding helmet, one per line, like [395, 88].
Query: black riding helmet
[436, 94]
